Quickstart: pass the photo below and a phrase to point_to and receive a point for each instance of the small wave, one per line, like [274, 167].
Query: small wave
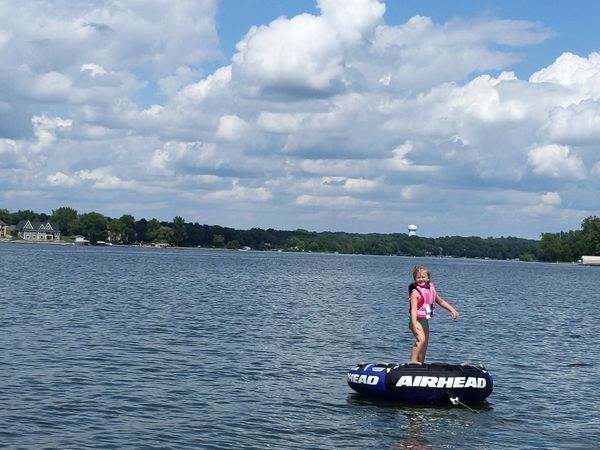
[580, 364]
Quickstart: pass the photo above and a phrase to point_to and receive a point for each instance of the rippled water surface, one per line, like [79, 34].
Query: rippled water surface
[105, 347]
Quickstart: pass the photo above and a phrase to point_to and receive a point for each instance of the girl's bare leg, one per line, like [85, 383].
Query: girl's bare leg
[419, 349]
[423, 346]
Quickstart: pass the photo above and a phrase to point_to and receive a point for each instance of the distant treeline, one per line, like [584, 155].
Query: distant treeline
[126, 230]
[572, 245]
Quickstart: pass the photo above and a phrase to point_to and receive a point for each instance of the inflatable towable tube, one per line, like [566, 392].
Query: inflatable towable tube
[413, 382]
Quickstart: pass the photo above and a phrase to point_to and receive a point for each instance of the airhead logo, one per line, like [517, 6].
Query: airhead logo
[441, 382]
[363, 379]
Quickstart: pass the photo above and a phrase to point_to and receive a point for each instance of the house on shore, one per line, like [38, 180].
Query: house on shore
[32, 230]
[4, 230]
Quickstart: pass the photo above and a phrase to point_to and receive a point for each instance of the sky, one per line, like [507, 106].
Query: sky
[463, 118]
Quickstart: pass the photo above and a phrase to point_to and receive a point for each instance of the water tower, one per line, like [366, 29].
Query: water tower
[412, 230]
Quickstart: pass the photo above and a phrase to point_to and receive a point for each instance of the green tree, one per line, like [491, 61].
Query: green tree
[66, 217]
[93, 226]
[179, 235]
[556, 247]
[218, 241]
[152, 229]
[5, 216]
[163, 234]
[24, 215]
[591, 229]
[528, 257]
[116, 230]
[129, 233]
[140, 228]
[198, 235]
[233, 245]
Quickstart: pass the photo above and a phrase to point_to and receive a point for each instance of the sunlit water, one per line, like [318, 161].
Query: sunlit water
[105, 347]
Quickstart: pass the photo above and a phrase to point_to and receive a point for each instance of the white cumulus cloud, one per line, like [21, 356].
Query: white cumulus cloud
[305, 54]
[232, 127]
[544, 204]
[240, 193]
[61, 179]
[45, 129]
[336, 202]
[576, 123]
[102, 178]
[575, 72]
[556, 161]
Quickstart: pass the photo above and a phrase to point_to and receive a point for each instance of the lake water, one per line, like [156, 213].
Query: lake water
[105, 347]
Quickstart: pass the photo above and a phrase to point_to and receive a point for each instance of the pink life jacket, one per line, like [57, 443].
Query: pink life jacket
[426, 302]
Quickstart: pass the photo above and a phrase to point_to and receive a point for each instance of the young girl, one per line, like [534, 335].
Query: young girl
[423, 296]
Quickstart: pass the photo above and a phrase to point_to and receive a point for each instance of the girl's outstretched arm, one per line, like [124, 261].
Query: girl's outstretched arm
[447, 306]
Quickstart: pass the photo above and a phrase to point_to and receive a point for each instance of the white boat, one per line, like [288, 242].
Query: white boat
[590, 260]
[80, 240]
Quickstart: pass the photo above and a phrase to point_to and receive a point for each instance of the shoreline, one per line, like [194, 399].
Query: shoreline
[69, 244]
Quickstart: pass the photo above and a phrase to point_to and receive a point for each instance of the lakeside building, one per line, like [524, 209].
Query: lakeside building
[32, 230]
[5, 229]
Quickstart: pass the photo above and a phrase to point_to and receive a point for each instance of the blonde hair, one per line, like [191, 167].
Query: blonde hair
[418, 269]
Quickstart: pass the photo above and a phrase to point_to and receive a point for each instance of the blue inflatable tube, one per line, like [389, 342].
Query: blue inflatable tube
[431, 383]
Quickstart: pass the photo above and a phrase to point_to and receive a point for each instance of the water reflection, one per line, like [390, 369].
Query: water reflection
[415, 437]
